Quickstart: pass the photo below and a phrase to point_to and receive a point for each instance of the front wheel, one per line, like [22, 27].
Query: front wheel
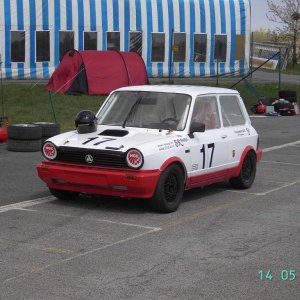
[169, 190]
[247, 173]
[64, 195]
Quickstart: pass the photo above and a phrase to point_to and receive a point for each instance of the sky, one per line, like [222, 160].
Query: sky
[259, 9]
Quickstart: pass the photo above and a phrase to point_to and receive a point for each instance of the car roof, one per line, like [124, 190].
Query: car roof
[193, 90]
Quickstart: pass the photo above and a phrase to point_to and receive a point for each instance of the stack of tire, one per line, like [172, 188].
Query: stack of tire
[48, 129]
[29, 137]
[24, 138]
[290, 96]
[287, 104]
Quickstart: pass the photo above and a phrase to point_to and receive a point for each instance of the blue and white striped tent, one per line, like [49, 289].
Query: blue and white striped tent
[181, 38]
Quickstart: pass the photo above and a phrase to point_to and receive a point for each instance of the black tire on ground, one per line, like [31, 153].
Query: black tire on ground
[290, 99]
[286, 93]
[48, 129]
[24, 145]
[290, 96]
[169, 190]
[64, 195]
[247, 173]
[24, 132]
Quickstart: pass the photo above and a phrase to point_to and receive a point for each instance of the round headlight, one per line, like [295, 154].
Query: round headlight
[49, 151]
[134, 158]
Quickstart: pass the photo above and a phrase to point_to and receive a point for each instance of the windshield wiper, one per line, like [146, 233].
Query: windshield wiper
[131, 110]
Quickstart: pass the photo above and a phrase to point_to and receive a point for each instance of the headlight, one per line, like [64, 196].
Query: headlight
[49, 151]
[134, 158]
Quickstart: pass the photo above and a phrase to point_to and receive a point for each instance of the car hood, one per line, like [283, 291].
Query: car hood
[110, 138]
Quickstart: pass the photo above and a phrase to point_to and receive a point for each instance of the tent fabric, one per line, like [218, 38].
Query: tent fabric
[94, 72]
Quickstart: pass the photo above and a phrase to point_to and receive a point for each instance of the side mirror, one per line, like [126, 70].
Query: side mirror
[196, 127]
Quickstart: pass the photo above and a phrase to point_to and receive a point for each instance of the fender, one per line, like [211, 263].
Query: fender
[258, 154]
[171, 160]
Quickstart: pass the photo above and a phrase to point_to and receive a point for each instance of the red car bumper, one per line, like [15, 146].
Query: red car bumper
[99, 180]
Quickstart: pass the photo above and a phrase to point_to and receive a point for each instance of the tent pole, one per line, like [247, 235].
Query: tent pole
[52, 106]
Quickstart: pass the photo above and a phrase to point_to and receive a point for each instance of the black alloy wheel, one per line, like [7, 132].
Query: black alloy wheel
[169, 190]
[247, 173]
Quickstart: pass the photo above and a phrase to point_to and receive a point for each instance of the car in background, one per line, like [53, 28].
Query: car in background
[154, 142]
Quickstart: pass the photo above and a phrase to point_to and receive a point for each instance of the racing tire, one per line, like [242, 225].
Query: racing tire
[291, 99]
[290, 96]
[63, 194]
[169, 190]
[24, 145]
[247, 173]
[24, 132]
[48, 129]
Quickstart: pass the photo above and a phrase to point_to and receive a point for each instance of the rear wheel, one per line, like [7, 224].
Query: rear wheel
[64, 195]
[247, 173]
[169, 190]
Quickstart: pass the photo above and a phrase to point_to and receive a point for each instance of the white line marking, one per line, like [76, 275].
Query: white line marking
[83, 254]
[282, 187]
[241, 192]
[90, 219]
[257, 116]
[267, 192]
[279, 163]
[24, 204]
[280, 146]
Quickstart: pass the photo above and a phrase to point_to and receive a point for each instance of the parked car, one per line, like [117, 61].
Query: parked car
[154, 142]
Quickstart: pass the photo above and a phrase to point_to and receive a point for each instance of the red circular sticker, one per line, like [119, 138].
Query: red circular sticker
[134, 158]
[49, 151]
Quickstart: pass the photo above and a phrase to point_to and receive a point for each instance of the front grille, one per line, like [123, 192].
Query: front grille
[100, 157]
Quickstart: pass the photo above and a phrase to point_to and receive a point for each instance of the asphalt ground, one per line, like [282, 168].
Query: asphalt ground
[213, 247]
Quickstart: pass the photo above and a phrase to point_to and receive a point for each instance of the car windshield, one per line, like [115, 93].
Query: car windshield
[155, 110]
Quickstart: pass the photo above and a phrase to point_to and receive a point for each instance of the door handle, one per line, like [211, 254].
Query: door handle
[224, 136]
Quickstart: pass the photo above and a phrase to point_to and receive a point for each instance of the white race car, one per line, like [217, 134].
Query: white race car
[154, 142]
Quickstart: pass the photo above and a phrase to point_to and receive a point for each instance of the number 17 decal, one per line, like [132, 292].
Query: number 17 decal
[211, 145]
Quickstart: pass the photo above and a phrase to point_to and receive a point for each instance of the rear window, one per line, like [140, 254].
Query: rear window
[231, 111]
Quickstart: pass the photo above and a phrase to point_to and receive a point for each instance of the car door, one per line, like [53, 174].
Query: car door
[236, 127]
[209, 147]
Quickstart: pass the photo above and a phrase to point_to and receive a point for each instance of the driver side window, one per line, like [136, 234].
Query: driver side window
[206, 112]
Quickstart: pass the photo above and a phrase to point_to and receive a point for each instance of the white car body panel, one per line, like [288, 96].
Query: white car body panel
[154, 142]
[158, 146]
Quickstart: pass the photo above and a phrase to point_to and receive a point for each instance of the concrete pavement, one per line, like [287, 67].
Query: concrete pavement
[214, 247]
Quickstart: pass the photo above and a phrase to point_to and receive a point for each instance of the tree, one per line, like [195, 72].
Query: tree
[288, 14]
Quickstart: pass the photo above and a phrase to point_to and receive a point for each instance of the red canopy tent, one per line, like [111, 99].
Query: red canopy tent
[94, 72]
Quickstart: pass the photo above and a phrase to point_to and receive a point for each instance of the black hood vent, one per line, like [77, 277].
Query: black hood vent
[114, 132]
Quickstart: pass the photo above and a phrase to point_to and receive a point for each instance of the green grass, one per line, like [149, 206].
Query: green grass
[289, 70]
[25, 103]
[292, 71]
[269, 90]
